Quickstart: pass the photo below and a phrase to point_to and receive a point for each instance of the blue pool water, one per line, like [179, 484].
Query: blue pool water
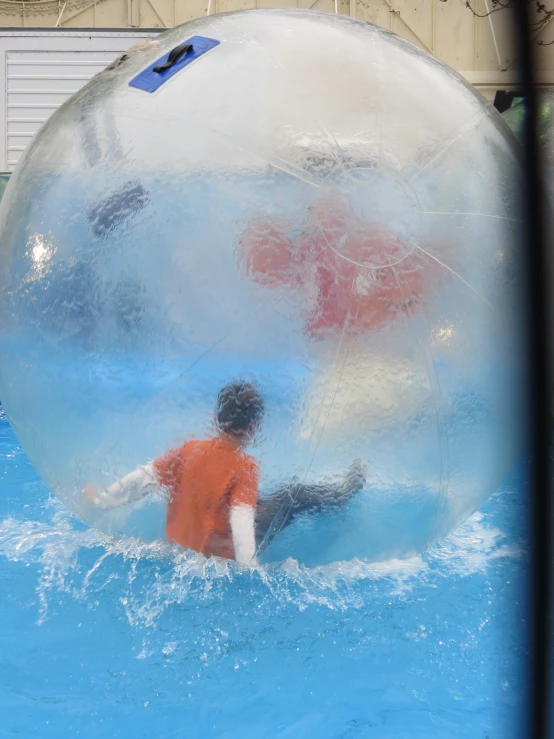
[116, 639]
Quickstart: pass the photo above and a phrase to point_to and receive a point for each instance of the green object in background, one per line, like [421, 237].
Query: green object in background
[515, 116]
[3, 182]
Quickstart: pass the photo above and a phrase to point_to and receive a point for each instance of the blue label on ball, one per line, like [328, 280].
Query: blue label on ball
[154, 76]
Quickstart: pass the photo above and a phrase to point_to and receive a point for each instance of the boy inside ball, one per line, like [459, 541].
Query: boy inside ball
[212, 486]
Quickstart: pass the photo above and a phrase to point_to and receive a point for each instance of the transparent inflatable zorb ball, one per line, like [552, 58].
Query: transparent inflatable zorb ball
[299, 200]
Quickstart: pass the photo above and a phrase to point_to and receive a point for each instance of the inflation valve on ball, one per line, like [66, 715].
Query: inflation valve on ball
[158, 73]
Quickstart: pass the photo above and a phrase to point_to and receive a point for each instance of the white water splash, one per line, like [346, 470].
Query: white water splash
[62, 554]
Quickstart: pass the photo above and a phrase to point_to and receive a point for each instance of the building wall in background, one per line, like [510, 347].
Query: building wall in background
[446, 28]
[41, 69]
[46, 54]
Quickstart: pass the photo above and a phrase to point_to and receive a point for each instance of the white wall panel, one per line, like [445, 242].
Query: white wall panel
[40, 71]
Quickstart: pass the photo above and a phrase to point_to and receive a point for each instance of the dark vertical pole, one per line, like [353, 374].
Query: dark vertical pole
[534, 263]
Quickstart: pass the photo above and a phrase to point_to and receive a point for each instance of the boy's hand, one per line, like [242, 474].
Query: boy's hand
[357, 472]
[354, 479]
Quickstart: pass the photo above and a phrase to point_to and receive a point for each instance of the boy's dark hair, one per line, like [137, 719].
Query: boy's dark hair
[239, 407]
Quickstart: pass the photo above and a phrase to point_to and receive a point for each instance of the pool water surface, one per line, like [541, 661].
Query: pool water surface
[104, 638]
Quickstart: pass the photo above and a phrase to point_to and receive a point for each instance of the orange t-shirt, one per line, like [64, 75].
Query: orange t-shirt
[205, 479]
